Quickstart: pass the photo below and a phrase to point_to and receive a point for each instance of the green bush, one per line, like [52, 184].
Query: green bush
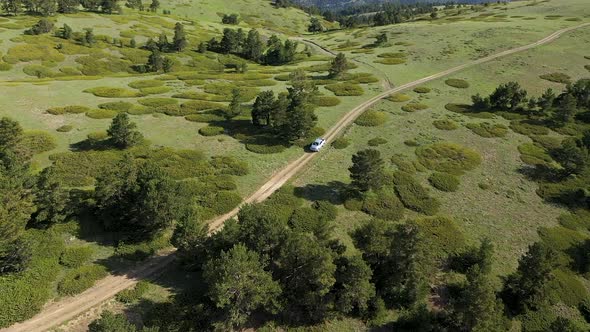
[37, 141]
[157, 102]
[362, 78]
[131, 295]
[341, 143]
[109, 92]
[146, 84]
[576, 220]
[444, 182]
[398, 98]
[74, 109]
[547, 142]
[326, 101]
[391, 61]
[457, 83]
[211, 130]
[405, 166]
[567, 288]
[229, 165]
[557, 78]
[156, 90]
[205, 117]
[371, 118]
[74, 257]
[448, 158]
[537, 320]
[422, 89]
[383, 205]
[225, 201]
[265, 149]
[199, 96]
[5, 66]
[225, 90]
[97, 135]
[101, 114]
[225, 182]
[65, 128]
[38, 71]
[78, 280]
[528, 129]
[458, 108]
[586, 66]
[353, 204]
[377, 141]
[120, 106]
[442, 237]
[411, 142]
[488, 130]
[413, 195]
[142, 250]
[201, 105]
[445, 124]
[345, 89]
[560, 238]
[413, 107]
[532, 154]
[399, 55]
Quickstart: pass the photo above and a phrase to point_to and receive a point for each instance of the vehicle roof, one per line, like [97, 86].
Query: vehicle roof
[318, 140]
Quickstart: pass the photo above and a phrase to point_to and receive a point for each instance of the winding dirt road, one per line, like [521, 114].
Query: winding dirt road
[68, 308]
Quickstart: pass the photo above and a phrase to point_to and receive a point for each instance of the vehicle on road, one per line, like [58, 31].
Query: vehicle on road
[317, 144]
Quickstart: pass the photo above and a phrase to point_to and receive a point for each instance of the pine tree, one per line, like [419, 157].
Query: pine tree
[263, 108]
[132, 43]
[163, 43]
[481, 310]
[235, 105]
[154, 5]
[315, 25]
[179, 39]
[167, 64]
[253, 47]
[122, 132]
[338, 65]
[89, 37]
[66, 32]
[366, 171]
[51, 199]
[155, 61]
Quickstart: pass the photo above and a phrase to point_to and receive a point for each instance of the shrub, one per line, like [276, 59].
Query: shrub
[225, 182]
[398, 98]
[98, 135]
[201, 105]
[146, 84]
[74, 257]
[560, 238]
[101, 114]
[156, 90]
[392, 55]
[448, 158]
[325, 210]
[120, 106]
[199, 96]
[157, 102]
[547, 142]
[353, 204]
[576, 220]
[411, 142]
[341, 143]
[225, 201]
[445, 124]
[422, 89]
[65, 128]
[264, 148]
[25, 52]
[362, 78]
[39, 141]
[109, 92]
[383, 205]
[78, 280]
[413, 195]
[391, 61]
[413, 107]
[442, 237]
[204, 117]
[488, 130]
[133, 294]
[567, 288]
[537, 320]
[225, 90]
[533, 155]
[229, 165]
[557, 78]
[6, 66]
[345, 89]
[73, 109]
[142, 250]
[444, 182]
[586, 66]
[371, 118]
[528, 129]
[377, 141]
[457, 83]
[326, 101]
[403, 165]
[38, 71]
[458, 108]
[211, 130]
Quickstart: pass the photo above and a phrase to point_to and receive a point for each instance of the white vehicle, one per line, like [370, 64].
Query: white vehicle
[317, 144]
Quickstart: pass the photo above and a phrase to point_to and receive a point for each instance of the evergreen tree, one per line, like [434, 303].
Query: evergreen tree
[253, 47]
[154, 5]
[367, 169]
[338, 65]
[235, 106]
[109, 6]
[110, 322]
[13, 7]
[571, 156]
[163, 43]
[151, 45]
[381, 39]
[263, 108]
[566, 109]
[66, 32]
[122, 132]
[155, 61]
[353, 289]
[179, 39]
[133, 4]
[524, 289]
[545, 102]
[300, 117]
[481, 309]
[239, 285]
[89, 37]
[508, 96]
[51, 199]
[315, 25]
[167, 64]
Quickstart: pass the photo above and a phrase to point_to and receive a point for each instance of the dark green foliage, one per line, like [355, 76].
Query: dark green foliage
[211, 130]
[345, 89]
[38, 141]
[567, 288]
[413, 107]
[422, 89]
[78, 280]
[448, 158]
[528, 129]
[367, 169]
[52, 200]
[341, 143]
[338, 66]
[481, 256]
[263, 108]
[315, 25]
[265, 149]
[225, 201]
[179, 41]
[110, 322]
[65, 128]
[508, 97]
[414, 196]
[444, 181]
[571, 155]
[383, 204]
[457, 83]
[230, 19]
[353, 288]
[74, 257]
[42, 26]
[557, 78]
[488, 130]
[130, 295]
[122, 132]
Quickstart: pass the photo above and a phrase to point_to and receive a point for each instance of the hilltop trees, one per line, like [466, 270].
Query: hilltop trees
[122, 132]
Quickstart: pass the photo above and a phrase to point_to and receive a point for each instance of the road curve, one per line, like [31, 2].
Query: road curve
[68, 308]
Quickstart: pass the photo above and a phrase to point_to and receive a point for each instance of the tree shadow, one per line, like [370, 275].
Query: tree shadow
[92, 145]
[330, 192]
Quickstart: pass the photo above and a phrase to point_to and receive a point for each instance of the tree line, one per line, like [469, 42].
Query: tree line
[51, 7]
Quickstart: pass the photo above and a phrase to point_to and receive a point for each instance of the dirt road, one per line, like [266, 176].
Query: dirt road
[59, 312]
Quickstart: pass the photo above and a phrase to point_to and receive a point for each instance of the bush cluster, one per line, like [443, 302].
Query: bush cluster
[157, 102]
[448, 158]
[37, 141]
[413, 107]
[444, 181]
[528, 129]
[377, 141]
[145, 84]
[74, 257]
[341, 143]
[398, 98]
[65, 128]
[326, 101]
[131, 295]
[101, 114]
[345, 89]
[557, 78]
[457, 83]
[371, 118]
[383, 204]
[73, 109]
[391, 61]
[445, 124]
[78, 280]
[109, 92]
[488, 130]
[264, 148]
[211, 130]
[422, 89]
[413, 195]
